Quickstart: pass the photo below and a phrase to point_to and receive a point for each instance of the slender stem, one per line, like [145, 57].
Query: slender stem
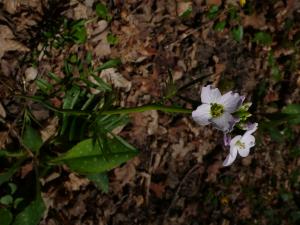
[147, 108]
[170, 109]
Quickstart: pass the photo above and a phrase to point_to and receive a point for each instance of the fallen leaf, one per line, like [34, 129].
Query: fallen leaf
[158, 189]
[75, 182]
[111, 75]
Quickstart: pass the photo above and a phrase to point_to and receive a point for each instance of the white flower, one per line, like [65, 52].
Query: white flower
[241, 145]
[217, 108]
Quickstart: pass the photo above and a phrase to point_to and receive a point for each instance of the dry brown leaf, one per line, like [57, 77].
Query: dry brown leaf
[11, 6]
[213, 170]
[50, 129]
[255, 21]
[158, 189]
[75, 182]
[214, 2]
[26, 169]
[3, 139]
[180, 149]
[113, 77]
[183, 6]
[30, 74]
[7, 43]
[2, 111]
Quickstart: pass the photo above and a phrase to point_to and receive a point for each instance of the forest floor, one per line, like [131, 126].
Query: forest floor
[177, 177]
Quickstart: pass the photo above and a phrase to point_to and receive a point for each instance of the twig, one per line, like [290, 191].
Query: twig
[194, 168]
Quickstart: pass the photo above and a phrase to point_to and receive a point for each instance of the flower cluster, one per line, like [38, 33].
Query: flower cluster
[224, 112]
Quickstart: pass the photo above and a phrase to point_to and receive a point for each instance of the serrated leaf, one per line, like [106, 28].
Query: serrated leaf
[32, 139]
[86, 157]
[101, 180]
[32, 214]
[5, 216]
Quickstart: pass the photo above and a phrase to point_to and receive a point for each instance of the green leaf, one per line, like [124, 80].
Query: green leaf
[70, 100]
[12, 187]
[291, 109]
[112, 39]
[5, 216]
[220, 26]
[102, 12]
[263, 38]
[6, 200]
[113, 63]
[5, 176]
[101, 181]
[238, 33]
[186, 13]
[86, 157]
[213, 12]
[32, 214]
[32, 139]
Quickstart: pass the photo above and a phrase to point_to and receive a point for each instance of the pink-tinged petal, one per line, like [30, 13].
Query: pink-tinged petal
[210, 94]
[202, 114]
[226, 139]
[223, 122]
[230, 101]
[230, 157]
[251, 128]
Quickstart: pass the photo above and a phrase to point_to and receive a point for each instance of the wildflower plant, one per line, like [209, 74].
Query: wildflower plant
[225, 112]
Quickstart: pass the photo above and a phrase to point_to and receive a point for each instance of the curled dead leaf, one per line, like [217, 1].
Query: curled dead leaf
[115, 78]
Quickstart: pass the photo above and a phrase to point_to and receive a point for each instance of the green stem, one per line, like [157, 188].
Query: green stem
[170, 109]
[144, 108]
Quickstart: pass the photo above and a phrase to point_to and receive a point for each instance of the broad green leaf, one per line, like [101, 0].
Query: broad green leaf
[263, 38]
[109, 64]
[32, 139]
[5, 216]
[101, 180]
[6, 200]
[238, 33]
[102, 12]
[291, 109]
[220, 25]
[32, 214]
[87, 157]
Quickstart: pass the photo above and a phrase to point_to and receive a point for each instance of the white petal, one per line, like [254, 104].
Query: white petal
[234, 140]
[223, 122]
[230, 157]
[249, 140]
[210, 94]
[244, 152]
[202, 114]
[231, 101]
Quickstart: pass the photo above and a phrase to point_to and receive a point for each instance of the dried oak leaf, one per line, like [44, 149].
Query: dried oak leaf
[7, 43]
